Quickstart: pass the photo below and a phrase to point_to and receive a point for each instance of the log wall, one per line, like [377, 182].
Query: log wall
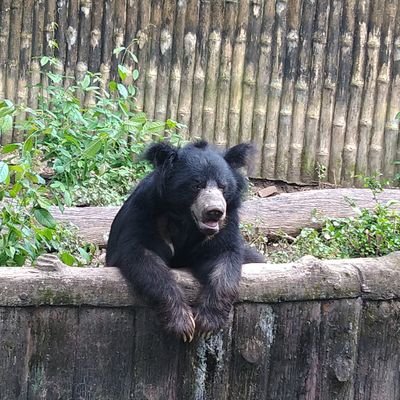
[310, 330]
[313, 83]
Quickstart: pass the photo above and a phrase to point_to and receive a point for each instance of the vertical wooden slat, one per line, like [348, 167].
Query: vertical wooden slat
[252, 335]
[188, 63]
[295, 348]
[104, 350]
[196, 126]
[203, 371]
[314, 101]
[378, 373]
[24, 65]
[274, 98]
[132, 10]
[15, 344]
[375, 156]
[62, 26]
[343, 91]
[72, 40]
[289, 75]
[143, 49]
[223, 91]
[239, 52]
[155, 369]
[166, 35]
[330, 86]
[13, 58]
[392, 151]
[152, 66]
[37, 51]
[107, 41]
[176, 64]
[250, 69]
[211, 84]
[262, 85]
[96, 36]
[4, 34]
[53, 340]
[371, 73]
[356, 90]
[340, 330]
[301, 92]
[119, 30]
[85, 14]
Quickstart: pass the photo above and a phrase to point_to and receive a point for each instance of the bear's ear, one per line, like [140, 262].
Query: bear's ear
[239, 156]
[158, 153]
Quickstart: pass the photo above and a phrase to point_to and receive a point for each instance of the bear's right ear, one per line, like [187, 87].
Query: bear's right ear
[158, 153]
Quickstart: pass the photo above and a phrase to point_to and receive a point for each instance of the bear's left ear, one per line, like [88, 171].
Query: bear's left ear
[238, 156]
[158, 153]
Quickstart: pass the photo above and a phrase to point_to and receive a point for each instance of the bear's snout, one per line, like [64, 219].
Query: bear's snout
[209, 211]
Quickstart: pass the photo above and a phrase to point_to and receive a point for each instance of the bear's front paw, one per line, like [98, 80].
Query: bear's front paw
[209, 320]
[180, 322]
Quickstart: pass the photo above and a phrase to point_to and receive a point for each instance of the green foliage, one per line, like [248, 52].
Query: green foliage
[371, 232]
[87, 140]
[93, 149]
[27, 228]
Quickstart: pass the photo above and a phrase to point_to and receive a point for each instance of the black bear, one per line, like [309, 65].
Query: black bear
[185, 214]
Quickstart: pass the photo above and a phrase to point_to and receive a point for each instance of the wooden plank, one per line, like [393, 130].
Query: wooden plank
[378, 373]
[156, 359]
[294, 360]
[286, 213]
[204, 367]
[307, 279]
[14, 352]
[253, 333]
[340, 320]
[52, 353]
[104, 350]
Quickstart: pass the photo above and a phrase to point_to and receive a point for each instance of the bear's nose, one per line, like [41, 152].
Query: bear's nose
[213, 214]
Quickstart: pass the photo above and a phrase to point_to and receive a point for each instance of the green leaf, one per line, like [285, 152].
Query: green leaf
[135, 74]
[397, 115]
[112, 86]
[44, 217]
[3, 171]
[122, 90]
[44, 60]
[9, 148]
[93, 148]
[28, 145]
[86, 82]
[19, 260]
[67, 258]
[118, 50]
[122, 72]
[6, 123]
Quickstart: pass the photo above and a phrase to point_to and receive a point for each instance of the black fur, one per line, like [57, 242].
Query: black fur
[155, 230]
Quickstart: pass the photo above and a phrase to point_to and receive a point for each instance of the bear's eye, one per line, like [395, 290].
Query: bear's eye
[197, 185]
[221, 186]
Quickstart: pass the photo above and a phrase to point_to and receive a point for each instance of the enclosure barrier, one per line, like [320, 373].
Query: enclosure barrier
[308, 330]
[315, 84]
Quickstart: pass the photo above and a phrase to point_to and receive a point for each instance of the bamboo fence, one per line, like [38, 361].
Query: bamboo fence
[314, 84]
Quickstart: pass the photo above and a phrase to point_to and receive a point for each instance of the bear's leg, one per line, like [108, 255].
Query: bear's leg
[221, 279]
[153, 279]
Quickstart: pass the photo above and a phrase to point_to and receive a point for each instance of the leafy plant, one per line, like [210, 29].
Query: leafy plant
[92, 150]
[27, 228]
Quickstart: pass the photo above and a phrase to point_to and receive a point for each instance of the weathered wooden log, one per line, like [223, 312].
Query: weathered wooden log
[287, 213]
[53, 283]
[326, 329]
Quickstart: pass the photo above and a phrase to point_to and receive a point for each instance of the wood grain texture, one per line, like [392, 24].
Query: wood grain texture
[306, 279]
[286, 213]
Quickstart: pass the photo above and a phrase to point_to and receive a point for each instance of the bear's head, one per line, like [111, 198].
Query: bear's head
[197, 181]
